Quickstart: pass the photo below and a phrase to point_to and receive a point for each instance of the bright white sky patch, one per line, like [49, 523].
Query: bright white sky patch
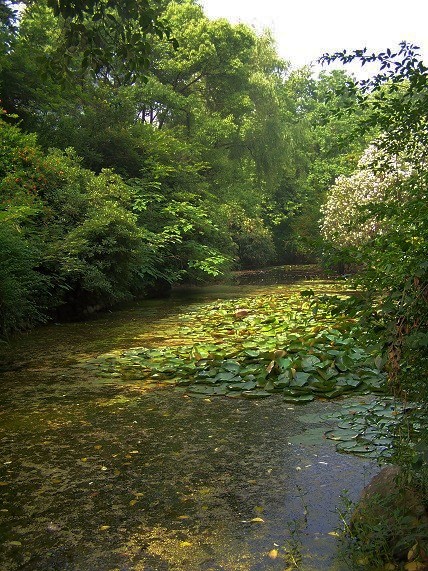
[305, 29]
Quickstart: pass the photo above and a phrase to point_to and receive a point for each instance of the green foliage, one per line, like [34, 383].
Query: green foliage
[7, 29]
[186, 243]
[395, 278]
[94, 240]
[71, 231]
[293, 346]
[212, 143]
[21, 286]
[254, 243]
[327, 146]
[106, 34]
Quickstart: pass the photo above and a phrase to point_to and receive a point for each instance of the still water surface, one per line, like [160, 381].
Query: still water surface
[98, 475]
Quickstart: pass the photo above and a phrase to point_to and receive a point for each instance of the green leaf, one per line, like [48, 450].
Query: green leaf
[310, 363]
[283, 363]
[301, 399]
[226, 376]
[255, 394]
[300, 379]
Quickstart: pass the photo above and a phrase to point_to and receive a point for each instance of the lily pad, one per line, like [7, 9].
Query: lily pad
[301, 399]
[256, 394]
[282, 343]
[300, 379]
[354, 447]
[310, 363]
[337, 392]
[341, 434]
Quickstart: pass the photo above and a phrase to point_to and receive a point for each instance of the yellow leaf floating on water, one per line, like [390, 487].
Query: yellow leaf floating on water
[415, 566]
[270, 367]
[333, 533]
[273, 553]
[186, 544]
[413, 552]
[133, 502]
[279, 353]
[183, 517]
[257, 520]
[104, 527]
[83, 459]
[16, 543]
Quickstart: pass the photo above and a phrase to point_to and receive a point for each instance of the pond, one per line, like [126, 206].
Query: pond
[101, 473]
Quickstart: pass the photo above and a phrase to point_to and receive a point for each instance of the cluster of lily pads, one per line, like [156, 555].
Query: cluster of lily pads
[292, 345]
[368, 429]
[367, 426]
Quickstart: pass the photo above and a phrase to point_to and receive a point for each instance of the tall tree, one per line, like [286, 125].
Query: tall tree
[113, 37]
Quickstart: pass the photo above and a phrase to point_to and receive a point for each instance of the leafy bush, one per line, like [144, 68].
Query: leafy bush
[348, 217]
[378, 219]
[185, 242]
[394, 280]
[21, 285]
[65, 228]
[254, 242]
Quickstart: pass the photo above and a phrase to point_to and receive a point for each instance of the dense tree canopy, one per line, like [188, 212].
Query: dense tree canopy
[217, 154]
[106, 35]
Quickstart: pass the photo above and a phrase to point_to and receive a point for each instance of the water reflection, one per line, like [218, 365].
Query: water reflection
[278, 275]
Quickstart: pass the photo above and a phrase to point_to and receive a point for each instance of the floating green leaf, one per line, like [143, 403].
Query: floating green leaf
[255, 394]
[310, 363]
[300, 379]
[282, 343]
[300, 399]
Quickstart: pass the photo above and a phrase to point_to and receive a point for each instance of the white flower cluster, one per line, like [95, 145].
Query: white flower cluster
[343, 223]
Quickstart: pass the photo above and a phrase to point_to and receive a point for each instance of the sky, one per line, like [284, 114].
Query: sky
[305, 29]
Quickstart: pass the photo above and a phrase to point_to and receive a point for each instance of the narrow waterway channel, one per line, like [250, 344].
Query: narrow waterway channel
[98, 474]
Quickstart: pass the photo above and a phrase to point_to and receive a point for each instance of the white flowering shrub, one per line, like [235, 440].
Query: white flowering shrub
[345, 221]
